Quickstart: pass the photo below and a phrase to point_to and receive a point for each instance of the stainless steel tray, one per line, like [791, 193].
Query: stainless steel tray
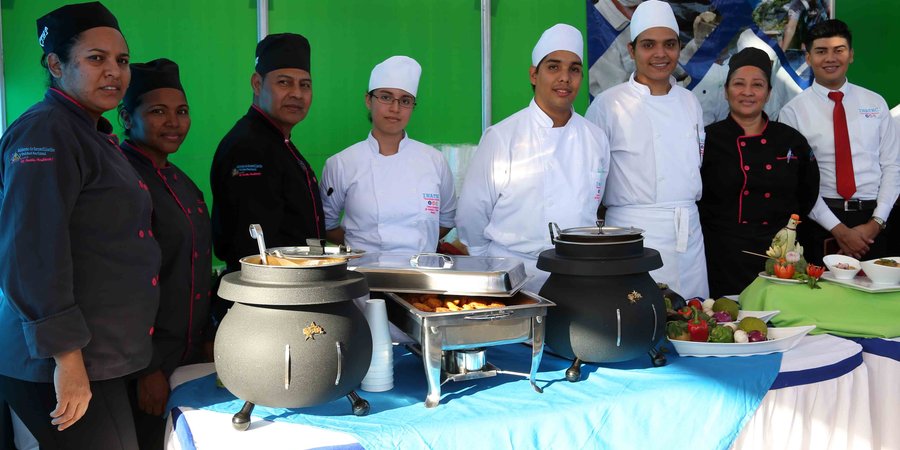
[475, 328]
[441, 274]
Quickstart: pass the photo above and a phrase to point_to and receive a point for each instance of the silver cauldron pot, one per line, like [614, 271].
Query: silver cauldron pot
[608, 308]
[293, 338]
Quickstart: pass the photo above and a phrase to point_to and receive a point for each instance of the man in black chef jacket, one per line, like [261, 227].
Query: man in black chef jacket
[258, 175]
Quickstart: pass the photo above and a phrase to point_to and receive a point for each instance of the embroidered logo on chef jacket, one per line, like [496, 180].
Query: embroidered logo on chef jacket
[247, 170]
[33, 155]
[871, 112]
[432, 203]
[599, 183]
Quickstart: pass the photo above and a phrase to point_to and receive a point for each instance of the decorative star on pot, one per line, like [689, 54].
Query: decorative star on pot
[634, 296]
[312, 330]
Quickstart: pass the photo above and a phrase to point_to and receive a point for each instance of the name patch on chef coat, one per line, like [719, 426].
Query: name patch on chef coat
[871, 112]
[247, 170]
[432, 203]
[33, 155]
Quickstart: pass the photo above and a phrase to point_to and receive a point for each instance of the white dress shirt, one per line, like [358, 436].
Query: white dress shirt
[390, 203]
[656, 145]
[874, 145]
[526, 174]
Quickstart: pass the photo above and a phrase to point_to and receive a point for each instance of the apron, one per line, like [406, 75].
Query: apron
[674, 231]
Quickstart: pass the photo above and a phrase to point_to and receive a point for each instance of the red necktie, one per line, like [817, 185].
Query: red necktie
[843, 161]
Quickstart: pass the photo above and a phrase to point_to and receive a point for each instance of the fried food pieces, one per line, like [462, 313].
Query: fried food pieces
[437, 303]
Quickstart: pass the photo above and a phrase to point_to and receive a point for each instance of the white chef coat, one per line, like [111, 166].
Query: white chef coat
[526, 174]
[390, 203]
[874, 145]
[656, 145]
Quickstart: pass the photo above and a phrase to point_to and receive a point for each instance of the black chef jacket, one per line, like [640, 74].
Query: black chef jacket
[181, 226]
[79, 266]
[259, 176]
[751, 186]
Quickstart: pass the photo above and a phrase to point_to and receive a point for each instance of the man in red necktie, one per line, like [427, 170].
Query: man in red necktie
[854, 140]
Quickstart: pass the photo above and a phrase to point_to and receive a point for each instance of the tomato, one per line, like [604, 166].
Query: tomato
[815, 271]
[783, 270]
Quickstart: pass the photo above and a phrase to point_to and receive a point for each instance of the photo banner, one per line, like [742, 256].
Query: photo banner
[711, 31]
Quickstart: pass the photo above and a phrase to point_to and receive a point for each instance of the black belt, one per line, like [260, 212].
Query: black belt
[854, 204]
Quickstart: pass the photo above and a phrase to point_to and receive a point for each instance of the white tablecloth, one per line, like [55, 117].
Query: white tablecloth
[829, 412]
[882, 358]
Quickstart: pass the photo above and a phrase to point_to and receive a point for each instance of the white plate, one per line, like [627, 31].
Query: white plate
[765, 316]
[780, 280]
[781, 340]
[862, 283]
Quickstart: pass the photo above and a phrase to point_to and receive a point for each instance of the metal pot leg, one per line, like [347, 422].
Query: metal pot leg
[573, 373]
[360, 405]
[537, 349]
[241, 419]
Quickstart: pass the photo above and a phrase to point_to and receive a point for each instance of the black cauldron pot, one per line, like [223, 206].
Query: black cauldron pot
[608, 308]
[293, 338]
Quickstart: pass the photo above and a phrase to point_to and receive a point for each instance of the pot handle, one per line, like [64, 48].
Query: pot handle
[340, 362]
[553, 236]
[446, 261]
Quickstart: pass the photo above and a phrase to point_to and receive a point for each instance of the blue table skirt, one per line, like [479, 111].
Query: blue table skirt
[696, 403]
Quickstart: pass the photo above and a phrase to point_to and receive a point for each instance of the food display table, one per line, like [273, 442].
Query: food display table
[834, 309]
[616, 406]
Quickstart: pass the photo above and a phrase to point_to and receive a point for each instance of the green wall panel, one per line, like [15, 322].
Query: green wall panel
[875, 52]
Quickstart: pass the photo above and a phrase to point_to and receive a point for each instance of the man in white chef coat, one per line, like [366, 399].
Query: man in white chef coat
[543, 164]
[656, 137]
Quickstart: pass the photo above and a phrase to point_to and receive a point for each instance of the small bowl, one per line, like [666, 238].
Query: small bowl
[880, 274]
[831, 261]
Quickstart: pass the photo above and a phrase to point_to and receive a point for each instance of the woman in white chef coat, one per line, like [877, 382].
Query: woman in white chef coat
[396, 193]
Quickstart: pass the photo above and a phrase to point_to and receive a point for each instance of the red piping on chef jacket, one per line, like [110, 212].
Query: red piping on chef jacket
[293, 150]
[108, 138]
[741, 156]
[193, 244]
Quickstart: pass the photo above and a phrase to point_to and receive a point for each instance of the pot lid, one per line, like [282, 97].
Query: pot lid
[600, 234]
[441, 274]
[315, 251]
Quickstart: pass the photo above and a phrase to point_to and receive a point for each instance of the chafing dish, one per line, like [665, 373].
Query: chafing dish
[452, 344]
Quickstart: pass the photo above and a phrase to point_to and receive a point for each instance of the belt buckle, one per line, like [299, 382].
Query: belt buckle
[855, 202]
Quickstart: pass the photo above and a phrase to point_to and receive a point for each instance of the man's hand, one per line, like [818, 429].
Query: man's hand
[153, 393]
[73, 389]
[854, 241]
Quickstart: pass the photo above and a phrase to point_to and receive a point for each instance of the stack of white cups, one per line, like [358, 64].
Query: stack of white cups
[380, 376]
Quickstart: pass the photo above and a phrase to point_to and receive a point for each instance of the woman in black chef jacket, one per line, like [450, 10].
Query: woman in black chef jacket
[79, 277]
[157, 119]
[756, 173]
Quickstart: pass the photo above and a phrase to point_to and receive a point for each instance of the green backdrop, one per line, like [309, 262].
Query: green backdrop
[213, 43]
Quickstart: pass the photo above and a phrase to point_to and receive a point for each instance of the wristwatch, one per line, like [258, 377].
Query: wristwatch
[881, 223]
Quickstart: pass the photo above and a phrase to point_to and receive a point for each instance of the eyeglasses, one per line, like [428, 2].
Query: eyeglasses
[388, 99]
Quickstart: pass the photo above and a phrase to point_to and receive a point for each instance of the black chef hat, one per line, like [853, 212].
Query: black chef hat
[750, 56]
[60, 25]
[282, 51]
[145, 77]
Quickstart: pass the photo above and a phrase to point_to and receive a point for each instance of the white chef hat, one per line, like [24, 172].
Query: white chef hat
[652, 14]
[396, 72]
[558, 37]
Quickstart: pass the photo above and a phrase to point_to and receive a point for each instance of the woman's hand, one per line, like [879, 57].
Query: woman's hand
[153, 393]
[73, 389]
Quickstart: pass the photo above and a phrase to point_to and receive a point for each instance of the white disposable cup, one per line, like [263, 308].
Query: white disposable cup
[376, 315]
[381, 387]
